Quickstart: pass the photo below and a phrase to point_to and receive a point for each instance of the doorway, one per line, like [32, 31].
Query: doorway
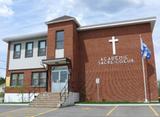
[59, 78]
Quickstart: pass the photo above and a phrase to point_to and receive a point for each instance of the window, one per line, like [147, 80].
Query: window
[17, 51]
[63, 75]
[39, 79]
[29, 49]
[60, 40]
[35, 79]
[17, 79]
[42, 48]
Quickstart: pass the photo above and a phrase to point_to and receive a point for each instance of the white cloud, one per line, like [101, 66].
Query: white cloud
[86, 9]
[5, 8]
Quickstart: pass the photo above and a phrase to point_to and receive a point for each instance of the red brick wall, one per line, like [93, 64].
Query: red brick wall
[70, 48]
[27, 82]
[118, 82]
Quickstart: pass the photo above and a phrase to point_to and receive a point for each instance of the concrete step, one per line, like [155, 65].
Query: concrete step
[49, 100]
[46, 106]
[46, 100]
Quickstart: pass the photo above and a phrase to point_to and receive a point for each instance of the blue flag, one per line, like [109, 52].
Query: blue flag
[145, 52]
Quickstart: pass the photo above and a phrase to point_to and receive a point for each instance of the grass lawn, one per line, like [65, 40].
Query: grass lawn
[1, 94]
[116, 103]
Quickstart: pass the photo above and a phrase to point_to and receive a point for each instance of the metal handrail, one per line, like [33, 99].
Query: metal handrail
[64, 92]
[33, 90]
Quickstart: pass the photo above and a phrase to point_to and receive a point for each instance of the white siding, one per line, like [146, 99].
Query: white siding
[25, 63]
[18, 97]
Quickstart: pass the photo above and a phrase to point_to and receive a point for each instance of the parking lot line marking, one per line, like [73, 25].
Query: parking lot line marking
[44, 112]
[113, 109]
[86, 108]
[154, 111]
[12, 111]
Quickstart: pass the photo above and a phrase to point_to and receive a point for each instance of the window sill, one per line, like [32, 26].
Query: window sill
[15, 87]
[38, 86]
[17, 58]
[41, 55]
[28, 56]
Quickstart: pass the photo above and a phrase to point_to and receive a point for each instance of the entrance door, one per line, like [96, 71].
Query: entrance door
[59, 78]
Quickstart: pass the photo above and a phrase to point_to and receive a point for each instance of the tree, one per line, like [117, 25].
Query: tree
[2, 80]
[159, 88]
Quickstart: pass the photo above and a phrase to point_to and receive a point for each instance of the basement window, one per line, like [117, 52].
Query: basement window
[39, 79]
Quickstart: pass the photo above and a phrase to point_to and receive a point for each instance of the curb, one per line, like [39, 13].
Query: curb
[14, 104]
[117, 104]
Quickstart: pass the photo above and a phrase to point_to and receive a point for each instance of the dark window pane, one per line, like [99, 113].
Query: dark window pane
[42, 48]
[17, 79]
[17, 54]
[35, 79]
[59, 45]
[55, 77]
[42, 44]
[39, 79]
[29, 49]
[20, 80]
[29, 46]
[63, 76]
[17, 51]
[60, 40]
[43, 77]
[17, 47]
[60, 35]
[14, 78]
[42, 52]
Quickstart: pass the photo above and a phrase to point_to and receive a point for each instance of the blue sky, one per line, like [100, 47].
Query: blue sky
[27, 16]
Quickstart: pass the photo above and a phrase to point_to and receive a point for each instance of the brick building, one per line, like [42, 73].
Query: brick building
[96, 63]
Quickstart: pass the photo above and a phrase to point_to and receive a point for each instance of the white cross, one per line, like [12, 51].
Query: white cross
[113, 41]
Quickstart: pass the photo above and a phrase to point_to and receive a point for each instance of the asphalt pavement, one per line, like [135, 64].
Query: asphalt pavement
[81, 111]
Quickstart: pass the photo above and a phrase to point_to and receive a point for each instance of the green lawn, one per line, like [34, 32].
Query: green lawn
[1, 94]
[116, 102]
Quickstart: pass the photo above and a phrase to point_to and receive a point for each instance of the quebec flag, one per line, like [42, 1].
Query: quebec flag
[145, 52]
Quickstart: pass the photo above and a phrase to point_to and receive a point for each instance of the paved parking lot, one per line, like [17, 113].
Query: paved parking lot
[81, 111]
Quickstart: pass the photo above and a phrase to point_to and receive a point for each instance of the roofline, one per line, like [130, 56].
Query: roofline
[26, 36]
[151, 20]
[70, 19]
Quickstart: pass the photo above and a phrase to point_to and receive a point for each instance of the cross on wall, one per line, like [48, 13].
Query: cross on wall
[113, 41]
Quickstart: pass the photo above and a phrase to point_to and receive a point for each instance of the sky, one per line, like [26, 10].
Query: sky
[18, 17]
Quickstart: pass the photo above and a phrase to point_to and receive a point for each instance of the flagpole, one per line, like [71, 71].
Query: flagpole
[144, 77]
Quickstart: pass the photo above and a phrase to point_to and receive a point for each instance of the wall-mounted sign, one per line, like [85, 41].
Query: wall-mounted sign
[115, 60]
[97, 80]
